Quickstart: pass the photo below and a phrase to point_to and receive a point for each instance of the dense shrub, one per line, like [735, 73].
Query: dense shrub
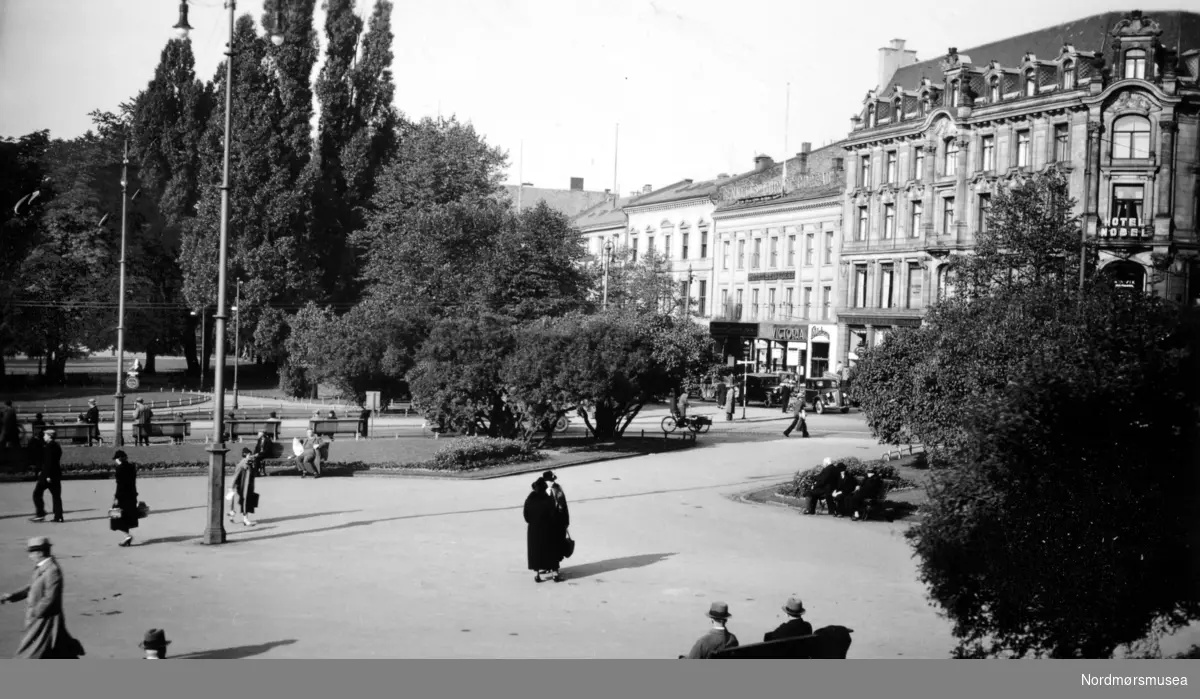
[469, 453]
[802, 482]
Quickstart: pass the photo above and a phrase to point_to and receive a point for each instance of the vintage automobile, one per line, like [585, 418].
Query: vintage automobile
[824, 394]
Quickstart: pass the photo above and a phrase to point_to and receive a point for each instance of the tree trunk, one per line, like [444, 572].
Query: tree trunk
[149, 368]
[606, 422]
[188, 342]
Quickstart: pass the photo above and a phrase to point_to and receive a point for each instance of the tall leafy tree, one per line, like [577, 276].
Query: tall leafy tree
[1065, 434]
[24, 191]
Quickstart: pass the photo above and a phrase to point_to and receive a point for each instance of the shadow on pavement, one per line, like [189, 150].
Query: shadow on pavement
[152, 513]
[180, 538]
[366, 522]
[607, 566]
[65, 512]
[235, 652]
[307, 516]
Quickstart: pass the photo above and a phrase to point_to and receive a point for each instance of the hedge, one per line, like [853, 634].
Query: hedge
[802, 483]
[469, 453]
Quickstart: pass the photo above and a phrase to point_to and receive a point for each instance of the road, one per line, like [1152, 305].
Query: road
[389, 567]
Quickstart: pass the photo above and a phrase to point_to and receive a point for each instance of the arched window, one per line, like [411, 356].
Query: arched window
[953, 93]
[1135, 64]
[898, 109]
[1068, 75]
[994, 90]
[1131, 137]
[870, 116]
[1030, 84]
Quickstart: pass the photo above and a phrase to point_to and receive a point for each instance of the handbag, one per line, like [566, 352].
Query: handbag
[115, 513]
[252, 501]
[568, 546]
[142, 510]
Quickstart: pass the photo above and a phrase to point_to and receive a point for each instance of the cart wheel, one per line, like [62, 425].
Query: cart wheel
[669, 424]
[703, 427]
[561, 424]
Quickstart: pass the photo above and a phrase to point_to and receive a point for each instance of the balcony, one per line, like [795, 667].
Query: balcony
[729, 312]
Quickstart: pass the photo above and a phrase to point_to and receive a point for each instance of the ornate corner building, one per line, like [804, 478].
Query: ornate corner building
[1112, 99]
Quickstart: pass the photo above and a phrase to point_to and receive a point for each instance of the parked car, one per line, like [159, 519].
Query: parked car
[829, 391]
[761, 388]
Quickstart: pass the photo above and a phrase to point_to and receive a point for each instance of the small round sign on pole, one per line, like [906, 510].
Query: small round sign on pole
[132, 383]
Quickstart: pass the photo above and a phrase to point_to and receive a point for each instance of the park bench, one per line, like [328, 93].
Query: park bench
[829, 642]
[63, 433]
[175, 430]
[398, 405]
[329, 428]
[251, 428]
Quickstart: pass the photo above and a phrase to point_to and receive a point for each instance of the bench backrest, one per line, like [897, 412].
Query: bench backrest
[829, 642]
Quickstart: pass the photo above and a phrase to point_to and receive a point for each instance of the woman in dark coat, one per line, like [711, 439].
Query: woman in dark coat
[562, 514]
[541, 540]
[125, 498]
[243, 488]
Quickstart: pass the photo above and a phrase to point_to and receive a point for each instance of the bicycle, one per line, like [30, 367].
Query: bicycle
[696, 423]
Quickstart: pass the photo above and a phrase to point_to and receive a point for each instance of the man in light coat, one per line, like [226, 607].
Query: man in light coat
[46, 633]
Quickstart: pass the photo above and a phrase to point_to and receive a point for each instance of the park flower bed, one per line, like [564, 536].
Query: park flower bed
[801, 484]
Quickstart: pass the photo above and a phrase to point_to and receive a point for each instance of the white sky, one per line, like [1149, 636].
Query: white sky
[697, 86]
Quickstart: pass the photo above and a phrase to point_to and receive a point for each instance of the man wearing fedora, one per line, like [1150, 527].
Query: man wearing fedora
[794, 627]
[141, 423]
[49, 478]
[718, 637]
[155, 643]
[92, 417]
[45, 628]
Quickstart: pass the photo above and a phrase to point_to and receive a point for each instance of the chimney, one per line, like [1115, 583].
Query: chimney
[803, 156]
[647, 189]
[723, 176]
[891, 59]
[576, 184]
[762, 163]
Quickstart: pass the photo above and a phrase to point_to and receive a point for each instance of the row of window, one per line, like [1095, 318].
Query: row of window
[685, 249]
[758, 261]
[889, 293]
[1134, 69]
[916, 218]
[734, 309]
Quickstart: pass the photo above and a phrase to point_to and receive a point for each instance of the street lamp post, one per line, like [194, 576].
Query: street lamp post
[608, 246]
[214, 533]
[203, 345]
[119, 398]
[237, 335]
[687, 312]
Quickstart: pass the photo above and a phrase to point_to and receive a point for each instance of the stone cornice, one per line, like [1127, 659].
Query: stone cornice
[663, 206]
[833, 200]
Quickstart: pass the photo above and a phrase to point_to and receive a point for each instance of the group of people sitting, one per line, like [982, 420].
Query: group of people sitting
[834, 641]
[844, 494]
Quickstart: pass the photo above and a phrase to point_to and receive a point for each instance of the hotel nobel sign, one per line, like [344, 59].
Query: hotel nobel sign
[1126, 228]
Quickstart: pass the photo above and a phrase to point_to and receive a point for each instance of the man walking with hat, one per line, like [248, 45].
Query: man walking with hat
[49, 478]
[794, 627]
[92, 417]
[141, 423]
[45, 629]
[155, 643]
[718, 637]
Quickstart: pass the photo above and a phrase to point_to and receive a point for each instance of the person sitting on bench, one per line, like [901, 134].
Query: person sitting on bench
[822, 488]
[867, 496]
[794, 627]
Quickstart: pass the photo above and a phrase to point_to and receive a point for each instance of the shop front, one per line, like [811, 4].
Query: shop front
[774, 347]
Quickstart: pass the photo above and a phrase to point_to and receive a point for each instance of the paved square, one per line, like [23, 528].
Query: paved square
[418, 568]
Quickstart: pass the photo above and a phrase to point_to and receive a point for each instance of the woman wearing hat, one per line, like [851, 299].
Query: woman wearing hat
[562, 514]
[542, 545]
[125, 498]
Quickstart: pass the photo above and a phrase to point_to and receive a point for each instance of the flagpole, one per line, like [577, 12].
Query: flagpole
[616, 154]
[787, 105]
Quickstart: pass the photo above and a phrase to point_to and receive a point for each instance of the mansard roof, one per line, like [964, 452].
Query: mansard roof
[1090, 34]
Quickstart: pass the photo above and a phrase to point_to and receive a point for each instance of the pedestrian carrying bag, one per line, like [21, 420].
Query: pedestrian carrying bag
[142, 510]
[568, 546]
[252, 501]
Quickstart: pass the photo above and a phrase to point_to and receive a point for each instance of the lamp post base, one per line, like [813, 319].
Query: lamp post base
[214, 533]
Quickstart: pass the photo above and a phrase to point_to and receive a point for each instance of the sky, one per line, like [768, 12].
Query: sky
[697, 87]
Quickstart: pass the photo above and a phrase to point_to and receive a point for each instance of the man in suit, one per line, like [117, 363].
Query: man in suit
[785, 394]
[92, 417]
[800, 418]
[866, 495]
[262, 452]
[844, 486]
[141, 422]
[45, 629]
[154, 643]
[794, 627]
[823, 486]
[49, 478]
[718, 637]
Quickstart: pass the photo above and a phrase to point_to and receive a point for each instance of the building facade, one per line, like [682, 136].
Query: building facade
[774, 274]
[570, 202]
[1112, 99]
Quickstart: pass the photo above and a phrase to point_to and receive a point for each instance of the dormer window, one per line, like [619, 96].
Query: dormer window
[1135, 64]
[870, 116]
[925, 105]
[1068, 75]
[953, 93]
[898, 109]
[1030, 84]
[1131, 138]
[994, 90]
